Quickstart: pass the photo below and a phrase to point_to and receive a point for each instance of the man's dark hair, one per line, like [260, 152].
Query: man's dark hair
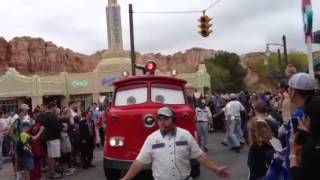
[95, 104]
[284, 86]
[260, 106]
[52, 105]
[304, 93]
[71, 102]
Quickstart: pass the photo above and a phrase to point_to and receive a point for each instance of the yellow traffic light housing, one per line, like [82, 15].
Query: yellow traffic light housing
[205, 26]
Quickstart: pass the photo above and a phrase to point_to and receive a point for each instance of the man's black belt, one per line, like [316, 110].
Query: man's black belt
[201, 121]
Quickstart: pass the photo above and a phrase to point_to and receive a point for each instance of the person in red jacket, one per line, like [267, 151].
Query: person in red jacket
[37, 151]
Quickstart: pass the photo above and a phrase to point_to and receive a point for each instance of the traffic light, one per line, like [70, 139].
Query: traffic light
[205, 26]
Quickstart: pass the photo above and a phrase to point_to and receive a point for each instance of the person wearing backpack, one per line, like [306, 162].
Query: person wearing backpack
[24, 148]
[14, 135]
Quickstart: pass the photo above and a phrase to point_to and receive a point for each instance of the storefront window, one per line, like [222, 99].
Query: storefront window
[11, 105]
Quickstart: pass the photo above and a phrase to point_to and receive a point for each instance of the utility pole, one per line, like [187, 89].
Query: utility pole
[285, 52]
[133, 53]
[279, 61]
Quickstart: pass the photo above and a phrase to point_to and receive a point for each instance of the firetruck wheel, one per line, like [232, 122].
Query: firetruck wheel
[112, 174]
[195, 170]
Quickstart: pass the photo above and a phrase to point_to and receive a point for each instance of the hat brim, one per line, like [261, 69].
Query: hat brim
[165, 115]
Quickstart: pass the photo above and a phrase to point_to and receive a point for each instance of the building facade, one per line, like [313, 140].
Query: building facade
[83, 87]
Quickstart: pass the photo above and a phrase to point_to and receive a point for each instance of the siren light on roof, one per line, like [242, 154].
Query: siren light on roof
[151, 67]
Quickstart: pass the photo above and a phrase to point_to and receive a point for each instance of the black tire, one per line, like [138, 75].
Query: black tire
[195, 170]
[112, 174]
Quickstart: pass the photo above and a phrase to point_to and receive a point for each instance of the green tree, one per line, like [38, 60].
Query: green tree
[226, 72]
[267, 74]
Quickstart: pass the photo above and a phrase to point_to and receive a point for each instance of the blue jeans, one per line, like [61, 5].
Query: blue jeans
[27, 161]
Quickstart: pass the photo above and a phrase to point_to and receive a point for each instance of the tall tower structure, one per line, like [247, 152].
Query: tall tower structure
[115, 43]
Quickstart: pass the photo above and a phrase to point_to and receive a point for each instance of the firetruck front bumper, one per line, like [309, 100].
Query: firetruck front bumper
[116, 164]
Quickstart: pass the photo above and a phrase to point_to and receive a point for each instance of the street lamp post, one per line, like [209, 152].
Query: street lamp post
[132, 49]
[285, 53]
[279, 59]
[268, 54]
[284, 45]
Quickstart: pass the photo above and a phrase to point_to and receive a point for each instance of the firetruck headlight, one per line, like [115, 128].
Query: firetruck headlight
[116, 142]
[149, 121]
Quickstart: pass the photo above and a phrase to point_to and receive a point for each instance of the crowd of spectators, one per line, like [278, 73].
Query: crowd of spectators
[50, 139]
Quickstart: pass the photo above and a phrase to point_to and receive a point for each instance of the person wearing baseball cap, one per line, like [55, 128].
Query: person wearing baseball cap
[170, 150]
[301, 86]
[24, 112]
[24, 148]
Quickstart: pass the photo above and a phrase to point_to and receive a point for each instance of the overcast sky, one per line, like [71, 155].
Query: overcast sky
[239, 25]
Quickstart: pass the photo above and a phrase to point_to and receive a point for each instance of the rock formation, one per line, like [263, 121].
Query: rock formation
[186, 62]
[34, 55]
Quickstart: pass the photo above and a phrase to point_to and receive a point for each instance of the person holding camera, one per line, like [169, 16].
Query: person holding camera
[305, 145]
[301, 85]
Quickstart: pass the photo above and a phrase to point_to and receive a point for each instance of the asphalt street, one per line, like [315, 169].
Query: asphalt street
[222, 155]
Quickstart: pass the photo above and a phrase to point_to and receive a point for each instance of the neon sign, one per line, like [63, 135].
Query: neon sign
[80, 83]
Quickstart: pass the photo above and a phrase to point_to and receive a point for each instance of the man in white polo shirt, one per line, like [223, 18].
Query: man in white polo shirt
[203, 115]
[234, 135]
[169, 151]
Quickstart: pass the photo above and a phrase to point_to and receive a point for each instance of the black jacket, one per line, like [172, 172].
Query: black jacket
[309, 165]
[258, 159]
[85, 133]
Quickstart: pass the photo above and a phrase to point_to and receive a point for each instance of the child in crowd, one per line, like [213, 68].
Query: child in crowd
[25, 148]
[260, 152]
[66, 150]
[75, 140]
[37, 151]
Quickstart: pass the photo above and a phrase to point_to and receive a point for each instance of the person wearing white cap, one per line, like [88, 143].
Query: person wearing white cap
[24, 113]
[169, 151]
[234, 135]
[301, 86]
[203, 116]
[14, 134]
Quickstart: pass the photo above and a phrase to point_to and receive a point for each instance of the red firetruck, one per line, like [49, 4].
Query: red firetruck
[131, 118]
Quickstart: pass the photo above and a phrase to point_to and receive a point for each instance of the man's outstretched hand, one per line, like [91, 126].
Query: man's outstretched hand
[223, 172]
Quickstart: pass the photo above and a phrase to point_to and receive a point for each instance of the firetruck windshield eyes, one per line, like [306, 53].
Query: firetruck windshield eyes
[167, 96]
[131, 96]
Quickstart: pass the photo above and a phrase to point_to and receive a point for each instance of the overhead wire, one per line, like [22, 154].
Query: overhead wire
[178, 12]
